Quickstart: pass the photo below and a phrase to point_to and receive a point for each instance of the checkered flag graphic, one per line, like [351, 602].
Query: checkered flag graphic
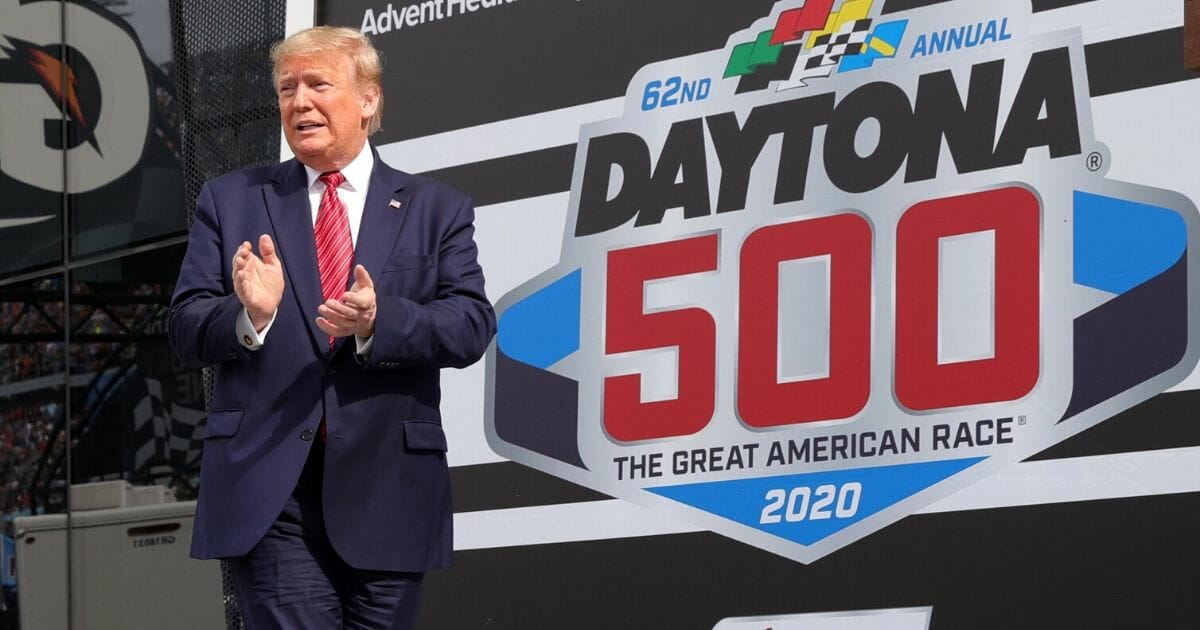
[165, 433]
[827, 50]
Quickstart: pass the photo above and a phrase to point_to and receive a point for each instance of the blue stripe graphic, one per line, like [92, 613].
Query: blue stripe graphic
[544, 327]
[1120, 244]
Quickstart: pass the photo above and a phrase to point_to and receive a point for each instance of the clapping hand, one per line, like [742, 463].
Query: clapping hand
[354, 313]
[258, 282]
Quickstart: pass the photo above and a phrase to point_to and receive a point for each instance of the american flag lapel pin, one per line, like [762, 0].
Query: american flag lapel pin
[393, 203]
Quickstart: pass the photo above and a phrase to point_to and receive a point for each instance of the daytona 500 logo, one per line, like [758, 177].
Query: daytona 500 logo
[794, 316]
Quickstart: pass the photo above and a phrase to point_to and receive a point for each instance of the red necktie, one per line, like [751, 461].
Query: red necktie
[335, 250]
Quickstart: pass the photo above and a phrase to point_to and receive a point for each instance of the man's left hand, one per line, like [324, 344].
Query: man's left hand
[354, 314]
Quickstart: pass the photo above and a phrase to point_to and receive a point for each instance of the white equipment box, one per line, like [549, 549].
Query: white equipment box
[130, 570]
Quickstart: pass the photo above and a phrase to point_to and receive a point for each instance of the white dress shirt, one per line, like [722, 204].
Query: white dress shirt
[353, 193]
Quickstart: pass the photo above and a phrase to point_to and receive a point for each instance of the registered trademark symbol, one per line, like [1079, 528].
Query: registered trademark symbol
[1095, 161]
[1021, 420]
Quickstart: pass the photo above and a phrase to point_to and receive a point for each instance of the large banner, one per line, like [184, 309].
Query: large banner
[815, 313]
[827, 275]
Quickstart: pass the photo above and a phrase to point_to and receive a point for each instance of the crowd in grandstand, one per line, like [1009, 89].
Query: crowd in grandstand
[28, 418]
[24, 435]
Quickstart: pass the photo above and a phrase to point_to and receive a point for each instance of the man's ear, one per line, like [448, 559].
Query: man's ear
[370, 101]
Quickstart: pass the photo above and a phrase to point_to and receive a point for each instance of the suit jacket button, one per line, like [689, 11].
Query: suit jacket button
[306, 434]
[331, 370]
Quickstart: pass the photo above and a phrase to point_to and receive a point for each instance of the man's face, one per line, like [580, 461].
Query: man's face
[323, 115]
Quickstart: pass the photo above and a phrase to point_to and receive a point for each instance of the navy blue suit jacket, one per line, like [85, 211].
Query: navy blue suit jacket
[386, 486]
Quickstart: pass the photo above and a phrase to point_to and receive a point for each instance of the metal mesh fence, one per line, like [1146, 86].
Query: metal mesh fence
[229, 118]
[228, 115]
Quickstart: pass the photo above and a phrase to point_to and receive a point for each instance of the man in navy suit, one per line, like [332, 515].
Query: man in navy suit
[328, 291]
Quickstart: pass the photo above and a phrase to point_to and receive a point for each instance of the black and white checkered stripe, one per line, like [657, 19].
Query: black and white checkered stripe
[165, 433]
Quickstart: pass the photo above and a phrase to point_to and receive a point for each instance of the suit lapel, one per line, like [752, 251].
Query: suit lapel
[291, 217]
[383, 214]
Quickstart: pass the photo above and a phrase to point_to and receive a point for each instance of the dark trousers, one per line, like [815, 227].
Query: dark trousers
[293, 579]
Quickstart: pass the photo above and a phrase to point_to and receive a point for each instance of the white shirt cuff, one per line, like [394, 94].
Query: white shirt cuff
[249, 338]
[363, 346]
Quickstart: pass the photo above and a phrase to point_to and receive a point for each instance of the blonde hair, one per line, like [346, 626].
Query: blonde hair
[366, 61]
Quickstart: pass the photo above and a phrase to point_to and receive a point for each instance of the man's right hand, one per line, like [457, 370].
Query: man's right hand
[258, 282]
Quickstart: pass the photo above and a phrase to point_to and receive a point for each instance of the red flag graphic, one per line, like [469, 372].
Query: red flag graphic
[794, 22]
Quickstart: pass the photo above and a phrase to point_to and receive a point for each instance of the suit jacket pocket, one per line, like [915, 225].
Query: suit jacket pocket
[400, 262]
[424, 436]
[223, 423]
